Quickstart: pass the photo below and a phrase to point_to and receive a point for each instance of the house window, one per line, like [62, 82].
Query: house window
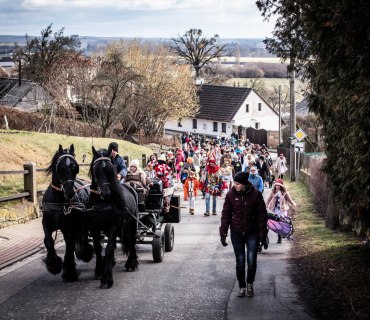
[215, 126]
[195, 124]
[247, 108]
[256, 125]
[204, 127]
[223, 127]
[179, 124]
[260, 107]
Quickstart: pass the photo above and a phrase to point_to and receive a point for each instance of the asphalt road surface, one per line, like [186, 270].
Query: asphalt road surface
[194, 281]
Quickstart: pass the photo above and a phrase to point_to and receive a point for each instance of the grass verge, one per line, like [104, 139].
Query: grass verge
[331, 268]
[19, 147]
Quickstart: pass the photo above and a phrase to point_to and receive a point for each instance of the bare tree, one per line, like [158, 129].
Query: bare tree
[198, 50]
[42, 54]
[166, 89]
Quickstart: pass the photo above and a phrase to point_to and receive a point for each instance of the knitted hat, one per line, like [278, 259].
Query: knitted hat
[134, 163]
[241, 177]
[189, 160]
[211, 160]
[278, 182]
[162, 157]
[113, 146]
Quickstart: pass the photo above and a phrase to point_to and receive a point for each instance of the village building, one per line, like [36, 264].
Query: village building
[23, 95]
[224, 109]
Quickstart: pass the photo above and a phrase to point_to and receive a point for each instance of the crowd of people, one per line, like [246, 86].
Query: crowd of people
[231, 167]
[212, 164]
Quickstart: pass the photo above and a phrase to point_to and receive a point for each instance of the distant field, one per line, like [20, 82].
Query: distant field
[271, 83]
[253, 59]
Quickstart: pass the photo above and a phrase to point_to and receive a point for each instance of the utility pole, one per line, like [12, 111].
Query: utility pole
[279, 115]
[292, 119]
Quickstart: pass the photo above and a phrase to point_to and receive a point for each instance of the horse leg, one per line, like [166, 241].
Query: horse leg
[52, 261]
[129, 234]
[69, 266]
[99, 264]
[106, 281]
[84, 250]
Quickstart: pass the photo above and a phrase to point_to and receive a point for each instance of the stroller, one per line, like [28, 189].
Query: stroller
[281, 225]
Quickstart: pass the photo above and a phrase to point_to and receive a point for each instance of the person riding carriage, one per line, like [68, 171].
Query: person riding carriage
[118, 161]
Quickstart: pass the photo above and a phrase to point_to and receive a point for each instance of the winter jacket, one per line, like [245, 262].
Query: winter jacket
[257, 182]
[120, 164]
[285, 201]
[139, 178]
[244, 212]
[191, 187]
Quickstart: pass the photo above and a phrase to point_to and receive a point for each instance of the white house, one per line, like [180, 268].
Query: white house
[226, 109]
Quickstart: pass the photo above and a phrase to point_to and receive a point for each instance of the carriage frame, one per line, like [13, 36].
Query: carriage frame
[160, 232]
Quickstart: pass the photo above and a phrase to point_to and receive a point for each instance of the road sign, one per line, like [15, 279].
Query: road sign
[299, 147]
[299, 135]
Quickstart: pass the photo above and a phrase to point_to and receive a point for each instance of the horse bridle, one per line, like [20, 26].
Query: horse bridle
[62, 183]
[105, 183]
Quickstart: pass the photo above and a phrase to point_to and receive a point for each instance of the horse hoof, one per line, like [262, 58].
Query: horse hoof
[54, 265]
[105, 286]
[70, 278]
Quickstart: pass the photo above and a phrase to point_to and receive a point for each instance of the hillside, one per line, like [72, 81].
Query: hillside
[19, 147]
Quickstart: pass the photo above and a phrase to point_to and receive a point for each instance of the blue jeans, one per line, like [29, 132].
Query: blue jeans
[208, 200]
[239, 242]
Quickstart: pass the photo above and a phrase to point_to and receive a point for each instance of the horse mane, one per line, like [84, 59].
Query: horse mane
[54, 161]
[52, 164]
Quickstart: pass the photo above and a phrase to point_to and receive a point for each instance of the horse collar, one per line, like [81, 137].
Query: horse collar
[102, 159]
[56, 188]
[62, 157]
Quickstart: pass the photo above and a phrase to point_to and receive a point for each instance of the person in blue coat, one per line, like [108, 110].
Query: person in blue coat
[118, 161]
[255, 179]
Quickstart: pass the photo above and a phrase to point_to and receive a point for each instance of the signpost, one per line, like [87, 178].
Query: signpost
[299, 135]
[299, 147]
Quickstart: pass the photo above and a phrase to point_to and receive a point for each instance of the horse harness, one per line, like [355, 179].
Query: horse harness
[68, 163]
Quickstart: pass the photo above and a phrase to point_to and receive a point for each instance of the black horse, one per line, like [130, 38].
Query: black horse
[59, 207]
[115, 212]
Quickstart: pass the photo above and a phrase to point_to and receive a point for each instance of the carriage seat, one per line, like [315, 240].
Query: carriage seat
[155, 196]
[142, 194]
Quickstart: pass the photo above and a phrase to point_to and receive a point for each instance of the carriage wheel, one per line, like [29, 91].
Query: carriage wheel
[158, 246]
[169, 236]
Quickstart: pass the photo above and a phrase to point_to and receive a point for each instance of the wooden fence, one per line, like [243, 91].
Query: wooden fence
[30, 191]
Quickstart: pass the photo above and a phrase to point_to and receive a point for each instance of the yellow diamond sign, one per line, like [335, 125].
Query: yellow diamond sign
[300, 135]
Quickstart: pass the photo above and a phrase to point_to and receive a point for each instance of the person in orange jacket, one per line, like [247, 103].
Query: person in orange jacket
[191, 186]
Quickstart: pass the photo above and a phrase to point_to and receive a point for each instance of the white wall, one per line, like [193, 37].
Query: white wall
[266, 118]
[203, 127]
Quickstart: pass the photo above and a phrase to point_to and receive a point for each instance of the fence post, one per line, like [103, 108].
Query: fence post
[30, 181]
[143, 160]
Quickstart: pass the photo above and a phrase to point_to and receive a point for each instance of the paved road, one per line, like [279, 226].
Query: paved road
[193, 282]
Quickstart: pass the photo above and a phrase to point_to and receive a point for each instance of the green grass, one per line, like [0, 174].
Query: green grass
[20, 147]
[331, 267]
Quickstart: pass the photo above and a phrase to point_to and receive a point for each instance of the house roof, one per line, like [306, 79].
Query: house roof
[10, 91]
[220, 103]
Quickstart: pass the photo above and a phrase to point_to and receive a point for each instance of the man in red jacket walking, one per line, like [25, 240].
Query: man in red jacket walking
[244, 211]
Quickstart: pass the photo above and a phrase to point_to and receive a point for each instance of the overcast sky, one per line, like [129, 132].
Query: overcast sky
[134, 18]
